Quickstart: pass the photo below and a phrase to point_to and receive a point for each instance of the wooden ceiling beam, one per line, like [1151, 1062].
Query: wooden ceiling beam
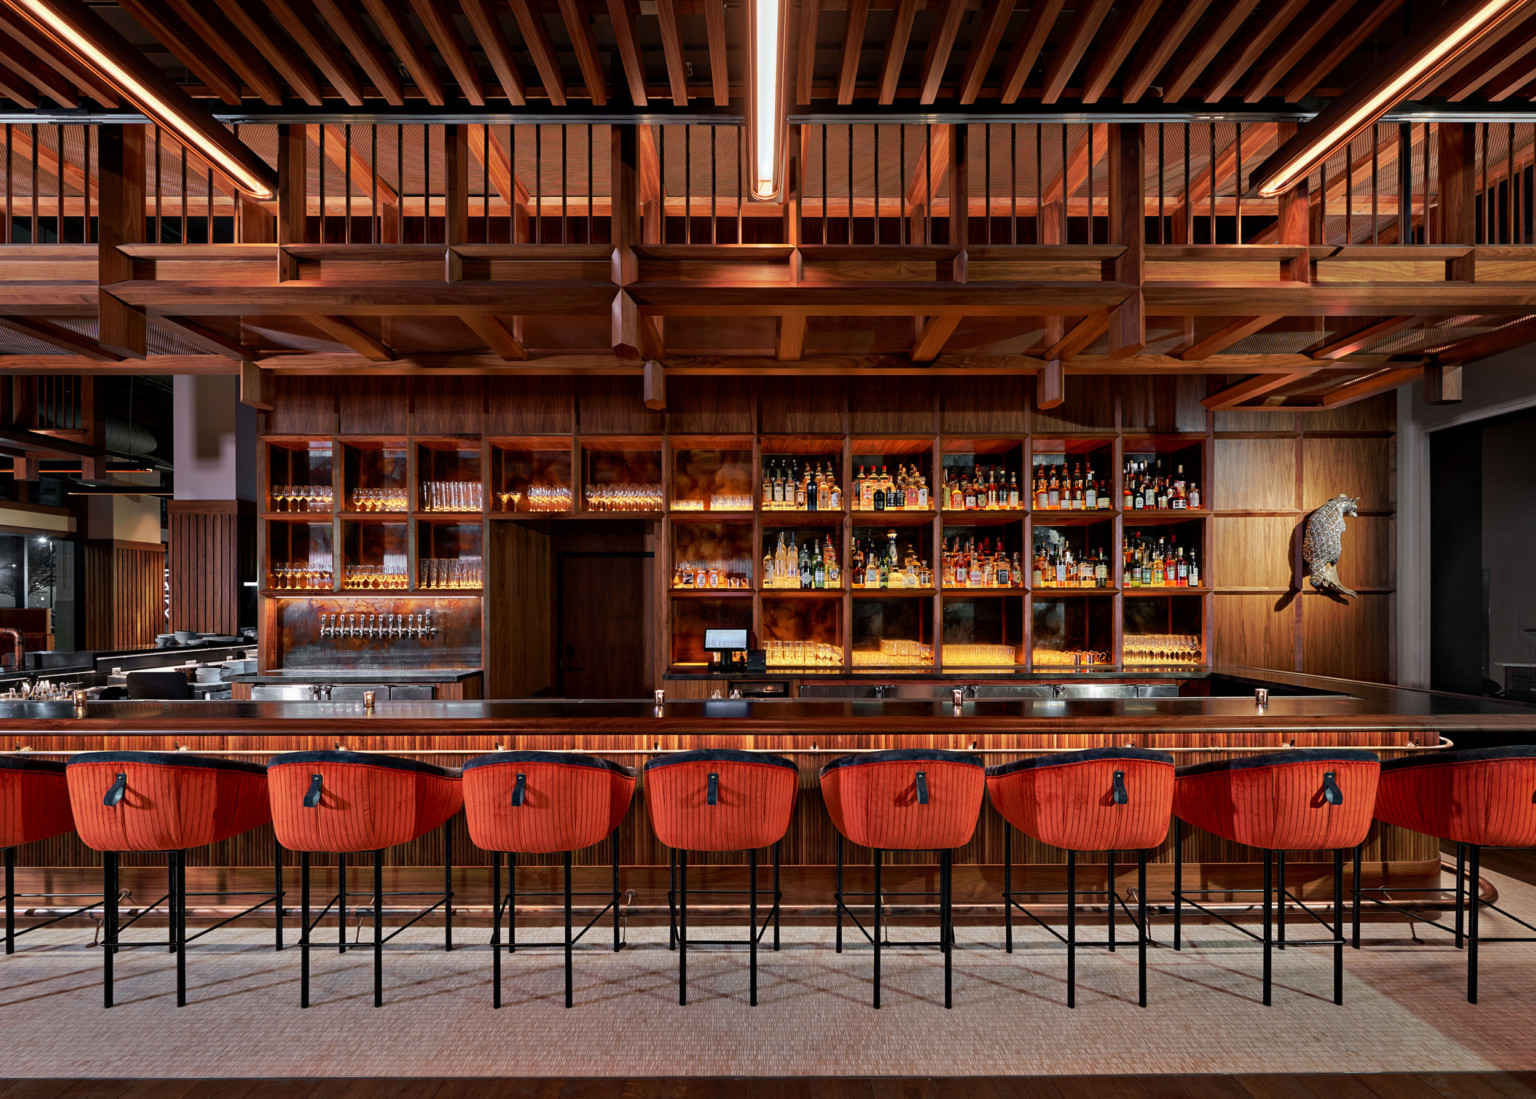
[805, 61]
[1158, 46]
[498, 51]
[407, 47]
[1080, 337]
[205, 339]
[984, 47]
[1110, 56]
[789, 338]
[1513, 84]
[1487, 344]
[253, 24]
[536, 40]
[896, 49]
[672, 47]
[344, 332]
[1216, 32]
[1285, 56]
[1226, 336]
[1487, 60]
[342, 18]
[579, 28]
[57, 336]
[16, 90]
[1027, 47]
[184, 45]
[935, 333]
[920, 188]
[445, 36]
[1371, 386]
[1093, 145]
[22, 147]
[1331, 53]
[217, 34]
[1362, 338]
[853, 45]
[621, 15]
[1255, 136]
[719, 60]
[1241, 60]
[363, 175]
[513, 191]
[39, 46]
[296, 23]
[1064, 62]
[44, 78]
[504, 341]
[941, 44]
[1249, 388]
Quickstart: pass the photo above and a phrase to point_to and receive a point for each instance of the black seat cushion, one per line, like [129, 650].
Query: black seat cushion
[1461, 755]
[1087, 755]
[367, 759]
[31, 763]
[720, 755]
[904, 755]
[567, 759]
[171, 759]
[1280, 759]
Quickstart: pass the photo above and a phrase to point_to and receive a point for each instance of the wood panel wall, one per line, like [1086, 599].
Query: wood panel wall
[125, 594]
[209, 552]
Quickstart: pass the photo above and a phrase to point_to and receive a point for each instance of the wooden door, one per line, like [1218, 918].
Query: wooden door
[602, 650]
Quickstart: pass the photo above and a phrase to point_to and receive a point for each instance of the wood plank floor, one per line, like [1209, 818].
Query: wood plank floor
[1490, 1085]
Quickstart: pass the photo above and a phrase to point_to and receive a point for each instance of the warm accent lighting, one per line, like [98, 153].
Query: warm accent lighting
[83, 33]
[765, 150]
[1387, 83]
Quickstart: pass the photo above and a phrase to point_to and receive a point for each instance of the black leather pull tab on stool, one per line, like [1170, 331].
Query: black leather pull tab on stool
[1307, 799]
[343, 803]
[533, 803]
[172, 802]
[720, 799]
[1476, 798]
[915, 799]
[1100, 799]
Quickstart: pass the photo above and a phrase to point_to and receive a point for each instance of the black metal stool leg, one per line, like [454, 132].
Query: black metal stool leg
[568, 989]
[1007, 887]
[682, 927]
[946, 878]
[179, 927]
[877, 926]
[1269, 901]
[671, 899]
[1111, 895]
[1280, 900]
[617, 944]
[1141, 927]
[304, 929]
[1338, 925]
[1178, 884]
[1354, 911]
[10, 900]
[777, 897]
[838, 894]
[108, 922]
[448, 884]
[1071, 928]
[170, 901]
[1475, 902]
[378, 928]
[277, 891]
[752, 927]
[496, 897]
[511, 902]
[341, 901]
[1461, 891]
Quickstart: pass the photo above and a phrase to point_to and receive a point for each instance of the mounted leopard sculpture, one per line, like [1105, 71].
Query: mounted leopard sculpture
[1323, 544]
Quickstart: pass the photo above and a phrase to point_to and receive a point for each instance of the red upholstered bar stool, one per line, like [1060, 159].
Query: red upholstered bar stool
[1476, 798]
[171, 802]
[34, 805]
[1308, 799]
[906, 799]
[1099, 799]
[342, 803]
[542, 803]
[720, 799]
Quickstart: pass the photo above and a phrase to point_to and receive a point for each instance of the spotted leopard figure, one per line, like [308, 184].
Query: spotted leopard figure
[1323, 544]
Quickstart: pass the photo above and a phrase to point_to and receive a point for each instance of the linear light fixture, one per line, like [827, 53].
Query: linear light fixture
[768, 27]
[87, 36]
[1388, 82]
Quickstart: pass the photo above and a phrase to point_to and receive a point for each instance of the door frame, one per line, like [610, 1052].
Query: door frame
[560, 559]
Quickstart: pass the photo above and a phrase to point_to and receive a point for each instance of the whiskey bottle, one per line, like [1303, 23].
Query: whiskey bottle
[1053, 490]
[1013, 491]
[1042, 492]
[911, 493]
[834, 577]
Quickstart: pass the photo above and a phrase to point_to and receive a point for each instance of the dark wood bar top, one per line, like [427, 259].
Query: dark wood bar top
[1345, 705]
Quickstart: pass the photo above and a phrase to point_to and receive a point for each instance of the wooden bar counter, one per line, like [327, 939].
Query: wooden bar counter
[1389, 720]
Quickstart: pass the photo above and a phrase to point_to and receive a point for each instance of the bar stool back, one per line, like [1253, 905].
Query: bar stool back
[34, 805]
[1099, 799]
[343, 803]
[720, 799]
[531, 802]
[1475, 798]
[906, 799]
[172, 802]
[1302, 799]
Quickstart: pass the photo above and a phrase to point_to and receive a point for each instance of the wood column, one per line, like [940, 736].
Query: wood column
[124, 594]
[123, 329]
[292, 195]
[1127, 226]
[1458, 194]
[209, 554]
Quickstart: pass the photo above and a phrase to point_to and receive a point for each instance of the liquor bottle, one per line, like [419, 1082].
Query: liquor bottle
[767, 489]
[834, 575]
[871, 567]
[1053, 490]
[802, 486]
[1037, 573]
[1091, 495]
[1101, 572]
[805, 567]
[911, 500]
[866, 487]
[895, 491]
[818, 568]
[1013, 491]
[1138, 501]
[877, 493]
[1194, 570]
[1126, 492]
[922, 492]
[954, 494]
[1194, 496]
